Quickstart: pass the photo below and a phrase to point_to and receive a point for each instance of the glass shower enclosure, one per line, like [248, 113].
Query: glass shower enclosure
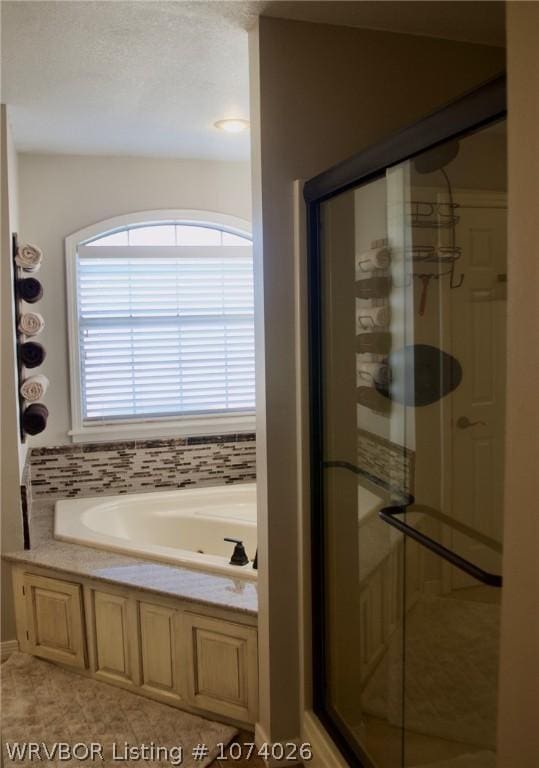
[407, 281]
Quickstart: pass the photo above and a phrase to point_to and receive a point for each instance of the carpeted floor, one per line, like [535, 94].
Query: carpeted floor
[42, 702]
[451, 669]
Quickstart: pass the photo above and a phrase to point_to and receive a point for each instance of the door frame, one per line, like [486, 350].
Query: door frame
[472, 111]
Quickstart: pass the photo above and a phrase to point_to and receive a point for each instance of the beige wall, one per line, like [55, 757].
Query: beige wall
[60, 194]
[319, 94]
[12, 453]
[519, 680]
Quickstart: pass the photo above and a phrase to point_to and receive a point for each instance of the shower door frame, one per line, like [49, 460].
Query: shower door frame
[474, 110]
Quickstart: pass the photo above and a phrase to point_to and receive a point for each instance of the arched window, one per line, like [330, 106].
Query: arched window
[161, 326]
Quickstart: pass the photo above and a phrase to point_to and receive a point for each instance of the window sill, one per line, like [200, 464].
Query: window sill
[184, 427]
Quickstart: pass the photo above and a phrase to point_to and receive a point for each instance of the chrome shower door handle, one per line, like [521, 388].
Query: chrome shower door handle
[463, 422]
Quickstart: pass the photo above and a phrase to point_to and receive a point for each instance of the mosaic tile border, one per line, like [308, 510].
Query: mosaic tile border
[153, 443]
[95, 469]
[387, 464]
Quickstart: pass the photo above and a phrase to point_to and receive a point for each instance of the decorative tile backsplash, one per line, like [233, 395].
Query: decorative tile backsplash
[143, 465]
[387, 463]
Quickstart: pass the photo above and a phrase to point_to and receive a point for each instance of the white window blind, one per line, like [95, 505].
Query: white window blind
[165, 331]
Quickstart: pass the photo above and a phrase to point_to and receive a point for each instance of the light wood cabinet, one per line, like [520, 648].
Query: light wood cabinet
[54, 620]
[161, 654]
[204, 662]
[222, 666]
[113, 656]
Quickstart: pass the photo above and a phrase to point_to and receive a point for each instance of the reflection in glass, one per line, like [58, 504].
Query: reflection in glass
[413, 274]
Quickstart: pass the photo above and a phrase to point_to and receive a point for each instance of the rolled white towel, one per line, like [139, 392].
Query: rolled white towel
[374, 258]
[31, 323]
[373, 373]
[369, 318]
[29, 257]
[34, 387]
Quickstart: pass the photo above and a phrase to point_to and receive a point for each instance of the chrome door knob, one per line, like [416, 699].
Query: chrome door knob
[463, 422]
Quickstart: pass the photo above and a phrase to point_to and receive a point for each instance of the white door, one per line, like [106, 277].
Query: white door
[475, 413]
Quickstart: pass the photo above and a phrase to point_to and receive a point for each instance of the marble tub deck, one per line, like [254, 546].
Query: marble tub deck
[186, 584]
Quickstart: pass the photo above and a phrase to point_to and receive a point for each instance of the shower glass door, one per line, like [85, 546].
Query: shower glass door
[457, 203]
[364, 557]
[408, 365]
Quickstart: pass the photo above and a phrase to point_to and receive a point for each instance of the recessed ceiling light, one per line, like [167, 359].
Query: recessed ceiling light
[232, 125]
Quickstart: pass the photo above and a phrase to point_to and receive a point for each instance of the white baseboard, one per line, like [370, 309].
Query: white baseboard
[7, 647]
[261, 739]
[325, 753]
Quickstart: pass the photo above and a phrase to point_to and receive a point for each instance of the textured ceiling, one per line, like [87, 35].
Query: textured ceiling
[151, 78]
[141, 78]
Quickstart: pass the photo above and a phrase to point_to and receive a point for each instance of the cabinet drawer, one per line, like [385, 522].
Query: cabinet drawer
[222, 666]
[54, 619]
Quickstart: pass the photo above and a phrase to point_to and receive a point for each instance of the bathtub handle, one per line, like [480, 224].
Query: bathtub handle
[239, 555]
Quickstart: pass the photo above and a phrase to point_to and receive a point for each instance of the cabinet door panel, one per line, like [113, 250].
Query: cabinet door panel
[159, 640]
[222, 666]
[111, 621]
[54, 618]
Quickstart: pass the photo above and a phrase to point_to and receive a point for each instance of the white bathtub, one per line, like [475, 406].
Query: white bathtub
[184, 527]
